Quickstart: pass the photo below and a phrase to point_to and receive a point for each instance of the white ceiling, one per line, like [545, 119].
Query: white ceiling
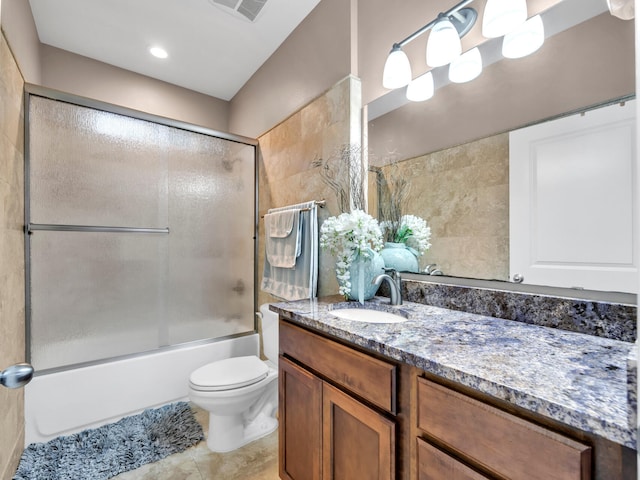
[210, 50]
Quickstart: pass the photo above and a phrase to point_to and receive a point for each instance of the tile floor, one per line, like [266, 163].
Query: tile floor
[256, 461]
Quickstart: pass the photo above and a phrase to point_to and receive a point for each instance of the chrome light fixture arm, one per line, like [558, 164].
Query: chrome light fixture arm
[463, 23]
[397, 69]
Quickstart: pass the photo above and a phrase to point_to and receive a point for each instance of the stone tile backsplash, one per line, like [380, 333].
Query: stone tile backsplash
[603, 319]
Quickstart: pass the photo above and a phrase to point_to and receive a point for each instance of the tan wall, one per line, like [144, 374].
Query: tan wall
[20, 31]
[62, 70]
[314, 57]
[286, 174]
[12, 329]
[382, 23]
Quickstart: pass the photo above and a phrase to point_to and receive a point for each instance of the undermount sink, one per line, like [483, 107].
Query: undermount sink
[367, 315]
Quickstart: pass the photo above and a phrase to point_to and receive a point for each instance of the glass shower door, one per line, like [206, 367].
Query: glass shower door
[210, 284]
[141, 235]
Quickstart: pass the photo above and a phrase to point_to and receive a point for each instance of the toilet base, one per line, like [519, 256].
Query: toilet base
[229, 432]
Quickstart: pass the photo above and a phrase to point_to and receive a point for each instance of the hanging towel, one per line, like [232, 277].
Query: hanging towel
[301, 280]
[280, 224]
[283, 232]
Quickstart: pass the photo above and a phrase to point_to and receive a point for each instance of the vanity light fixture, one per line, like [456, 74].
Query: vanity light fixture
[440, 50]
[421, 89]
[444, 43]
[466, 67]
[503, 16]
[506, 18]
[397, 69]
[158, 52]
[525, 40]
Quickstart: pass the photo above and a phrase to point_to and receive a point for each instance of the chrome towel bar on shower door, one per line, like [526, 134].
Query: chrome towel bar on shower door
[31, 227]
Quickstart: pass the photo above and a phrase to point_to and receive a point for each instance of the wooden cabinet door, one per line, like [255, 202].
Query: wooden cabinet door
[300, 429]
[434, 464]
[357, 441]
[498, 441]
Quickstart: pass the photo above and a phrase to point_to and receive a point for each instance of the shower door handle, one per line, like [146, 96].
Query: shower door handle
[16, 376]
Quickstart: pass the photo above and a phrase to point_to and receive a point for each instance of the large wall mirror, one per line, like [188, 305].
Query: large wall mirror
[453, 149]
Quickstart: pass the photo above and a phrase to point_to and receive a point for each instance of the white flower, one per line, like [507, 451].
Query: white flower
[346, 237]
[413, 232]
[421, 233]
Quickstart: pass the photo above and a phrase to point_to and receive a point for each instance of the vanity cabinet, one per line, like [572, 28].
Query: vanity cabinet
[336, 410]
[347, 414]
[489, 439]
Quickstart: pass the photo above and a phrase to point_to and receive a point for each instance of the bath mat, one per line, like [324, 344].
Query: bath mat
[106, 451]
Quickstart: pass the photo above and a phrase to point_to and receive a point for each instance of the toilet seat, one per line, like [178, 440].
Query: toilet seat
[229, 374]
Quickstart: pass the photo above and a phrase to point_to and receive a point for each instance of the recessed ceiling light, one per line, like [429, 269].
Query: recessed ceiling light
[158, 52]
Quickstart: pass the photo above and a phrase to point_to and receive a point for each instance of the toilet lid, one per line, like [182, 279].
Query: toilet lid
[229, 373]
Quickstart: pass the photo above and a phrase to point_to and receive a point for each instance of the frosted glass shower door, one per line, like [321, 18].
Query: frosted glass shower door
[141, 235]
[94, 296]
[210, 291]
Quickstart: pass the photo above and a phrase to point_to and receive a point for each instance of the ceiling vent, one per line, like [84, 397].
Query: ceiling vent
[244, 9]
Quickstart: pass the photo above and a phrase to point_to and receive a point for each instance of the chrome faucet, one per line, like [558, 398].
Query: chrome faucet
[432, 269]
[395, 284]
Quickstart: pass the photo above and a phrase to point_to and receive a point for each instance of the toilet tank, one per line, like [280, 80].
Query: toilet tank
[269, 332]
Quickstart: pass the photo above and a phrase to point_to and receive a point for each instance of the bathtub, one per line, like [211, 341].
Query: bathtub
[70, 401]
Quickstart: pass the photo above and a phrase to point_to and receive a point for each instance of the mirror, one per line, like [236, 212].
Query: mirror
[454, 148]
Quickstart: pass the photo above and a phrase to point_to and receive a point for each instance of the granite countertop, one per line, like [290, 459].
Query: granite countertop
[577, 379]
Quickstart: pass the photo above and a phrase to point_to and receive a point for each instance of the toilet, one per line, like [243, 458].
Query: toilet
[240, 393]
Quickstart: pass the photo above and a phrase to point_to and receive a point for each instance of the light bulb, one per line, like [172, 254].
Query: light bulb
[503, 16]
[397, 69]
[422, 88]
[528, 38]
[466, 67]
[158, 52]
[444, 44]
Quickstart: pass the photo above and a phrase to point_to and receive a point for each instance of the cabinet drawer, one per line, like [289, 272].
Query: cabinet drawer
[434, 464]
[502, 443]
[370, 378]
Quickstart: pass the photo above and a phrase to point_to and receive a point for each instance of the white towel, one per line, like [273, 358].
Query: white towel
[280, 224]
[301, 281]
[283, 231]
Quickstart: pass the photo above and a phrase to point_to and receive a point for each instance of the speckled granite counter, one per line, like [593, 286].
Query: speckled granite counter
[576, 379]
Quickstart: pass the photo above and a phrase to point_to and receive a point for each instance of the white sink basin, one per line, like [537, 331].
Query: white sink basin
[367, 315]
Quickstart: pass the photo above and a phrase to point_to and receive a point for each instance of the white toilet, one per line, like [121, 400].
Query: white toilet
[240, 393]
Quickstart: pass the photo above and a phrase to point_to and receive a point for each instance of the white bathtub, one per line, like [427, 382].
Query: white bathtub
[71, 401]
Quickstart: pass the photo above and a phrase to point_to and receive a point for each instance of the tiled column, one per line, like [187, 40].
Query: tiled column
[12, 327]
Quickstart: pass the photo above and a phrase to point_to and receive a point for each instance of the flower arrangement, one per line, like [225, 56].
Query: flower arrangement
[348, 236]
[411, 230]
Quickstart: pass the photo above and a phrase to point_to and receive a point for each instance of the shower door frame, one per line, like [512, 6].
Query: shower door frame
[51, 94]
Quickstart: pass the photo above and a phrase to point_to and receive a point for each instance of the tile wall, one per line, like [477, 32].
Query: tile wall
[463, 194]
[12, 330]
[286, 172]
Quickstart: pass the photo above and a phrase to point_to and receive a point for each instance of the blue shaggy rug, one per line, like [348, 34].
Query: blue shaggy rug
[104, 452]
